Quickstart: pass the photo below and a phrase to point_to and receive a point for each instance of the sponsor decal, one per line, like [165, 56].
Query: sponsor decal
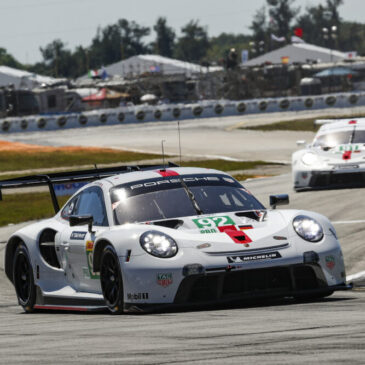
[330, 262]
[89, 259]
[242, 228]
[164, 279]
[212, 222]
[209, 230]
[175, 181]
[257, 257]
[75, 235]
[137, 296]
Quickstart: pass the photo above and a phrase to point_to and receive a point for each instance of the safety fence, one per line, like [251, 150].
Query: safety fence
[171, 112]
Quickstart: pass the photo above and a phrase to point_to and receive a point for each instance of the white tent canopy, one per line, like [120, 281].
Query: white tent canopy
[23, 79]
[141, 64]
[299, 52]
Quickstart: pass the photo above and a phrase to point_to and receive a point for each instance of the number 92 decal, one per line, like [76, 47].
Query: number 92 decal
[212, 222]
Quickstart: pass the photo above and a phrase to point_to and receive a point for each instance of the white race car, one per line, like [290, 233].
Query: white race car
[335, 158]
[142, 238]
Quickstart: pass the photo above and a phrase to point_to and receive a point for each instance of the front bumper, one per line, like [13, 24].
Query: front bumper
[232, 286]
[334, 179]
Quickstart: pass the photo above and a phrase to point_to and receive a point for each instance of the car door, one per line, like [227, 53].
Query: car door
[77, 243]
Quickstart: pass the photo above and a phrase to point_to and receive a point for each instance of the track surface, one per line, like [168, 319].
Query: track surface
[281, 332]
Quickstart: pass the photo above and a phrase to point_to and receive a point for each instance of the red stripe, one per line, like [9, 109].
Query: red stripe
[166, 173]
[60, 308]
[352, 122]
[236, 235]
[346, 155]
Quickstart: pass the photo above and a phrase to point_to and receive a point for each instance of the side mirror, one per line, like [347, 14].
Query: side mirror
[280, 199]
[81, 220]
[301, 142]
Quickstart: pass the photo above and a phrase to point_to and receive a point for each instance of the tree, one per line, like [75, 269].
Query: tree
[7, 59]
[282, 14]
[57, 59]
[194, 43]
[118, 41]
[260, 32]
[165, 37]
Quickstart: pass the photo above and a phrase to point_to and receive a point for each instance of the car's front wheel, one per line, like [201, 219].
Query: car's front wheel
[111, 280]
[23, 279]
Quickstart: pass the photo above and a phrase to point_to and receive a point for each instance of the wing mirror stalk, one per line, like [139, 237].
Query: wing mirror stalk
[280, 199]
[80, 220]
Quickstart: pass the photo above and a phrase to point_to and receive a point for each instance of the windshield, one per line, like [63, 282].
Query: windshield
[166, 198]
[337, 138]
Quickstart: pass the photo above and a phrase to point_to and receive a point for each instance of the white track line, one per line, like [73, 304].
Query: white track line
[349, 222]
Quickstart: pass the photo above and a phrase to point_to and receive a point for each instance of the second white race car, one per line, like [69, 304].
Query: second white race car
[335, 158]
[142, 238]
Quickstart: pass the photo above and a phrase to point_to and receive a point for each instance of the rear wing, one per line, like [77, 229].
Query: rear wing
[73, 176]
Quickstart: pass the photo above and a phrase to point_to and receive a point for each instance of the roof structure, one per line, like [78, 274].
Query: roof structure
[141, 64]
[301, 53]
[23, 79]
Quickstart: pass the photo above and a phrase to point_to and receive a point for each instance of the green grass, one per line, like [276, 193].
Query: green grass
[305, 124]
[17, 208]
[11, 161]
[225, 165]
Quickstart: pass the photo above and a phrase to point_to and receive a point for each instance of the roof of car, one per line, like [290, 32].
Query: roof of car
[342, 124]
[150, 174]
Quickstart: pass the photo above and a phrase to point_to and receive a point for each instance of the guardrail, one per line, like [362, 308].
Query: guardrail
[171, 112]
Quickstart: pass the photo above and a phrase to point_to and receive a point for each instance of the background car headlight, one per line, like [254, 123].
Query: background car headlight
[309, 158]
[308, 228]
[158, 244]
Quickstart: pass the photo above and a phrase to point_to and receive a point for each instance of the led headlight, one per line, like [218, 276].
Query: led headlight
[308, 228]
[158, 244]
[309, 158]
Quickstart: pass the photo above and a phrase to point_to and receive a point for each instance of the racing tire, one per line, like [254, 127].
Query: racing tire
[111, 280]
[23, 279]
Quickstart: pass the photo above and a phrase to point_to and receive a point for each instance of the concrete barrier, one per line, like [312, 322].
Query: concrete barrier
[173, 112]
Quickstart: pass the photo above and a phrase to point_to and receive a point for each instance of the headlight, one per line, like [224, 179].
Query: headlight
[158, 244]
[309, 158]
[308, 228]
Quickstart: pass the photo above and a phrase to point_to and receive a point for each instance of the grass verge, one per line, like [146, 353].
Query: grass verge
[19, 160]
[17, 208]
[305, 124]
[225, 165]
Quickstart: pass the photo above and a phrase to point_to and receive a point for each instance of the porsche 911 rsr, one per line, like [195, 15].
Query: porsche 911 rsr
[143, 238]
[335, 159]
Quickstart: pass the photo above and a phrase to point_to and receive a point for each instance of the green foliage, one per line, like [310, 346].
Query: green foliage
[7, 59]
[193, 45]
[165, 38]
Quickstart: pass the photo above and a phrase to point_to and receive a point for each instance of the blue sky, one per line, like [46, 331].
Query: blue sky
[26, 25]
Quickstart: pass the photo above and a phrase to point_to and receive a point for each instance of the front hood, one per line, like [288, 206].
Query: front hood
[232, 231]
[341, 155]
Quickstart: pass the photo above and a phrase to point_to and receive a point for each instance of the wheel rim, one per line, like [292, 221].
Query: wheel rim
[22, 278]
[110, 280]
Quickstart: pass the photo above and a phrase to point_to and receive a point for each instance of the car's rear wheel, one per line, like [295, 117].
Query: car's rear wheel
[111, 280]
[23, 279]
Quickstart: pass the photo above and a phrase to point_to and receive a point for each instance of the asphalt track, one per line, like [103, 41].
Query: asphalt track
[277, 332]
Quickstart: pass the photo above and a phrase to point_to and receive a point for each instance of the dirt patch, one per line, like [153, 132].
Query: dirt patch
[6, 146]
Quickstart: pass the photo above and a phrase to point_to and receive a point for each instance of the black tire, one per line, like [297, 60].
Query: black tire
[111, 280]
[23, 279]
